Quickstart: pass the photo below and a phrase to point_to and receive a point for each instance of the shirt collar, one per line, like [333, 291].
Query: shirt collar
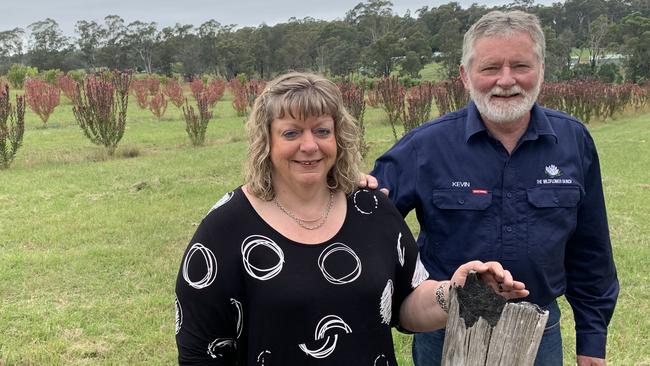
[539, 124]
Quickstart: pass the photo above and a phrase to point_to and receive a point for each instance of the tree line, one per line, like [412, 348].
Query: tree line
[370, 40]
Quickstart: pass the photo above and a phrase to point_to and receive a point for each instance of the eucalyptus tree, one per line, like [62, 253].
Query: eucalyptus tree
[434, 18]
[373, 19]
[338, 48]
[264, 41]
[635, 29]
[91, 38]
[580, 14]
[142, 39]
[417, 44]
[381, 56]
[557, 64]
[207, 38]
[449, 41]
[114, 51]
[11, 46]
[47, 44]
[299, 48]
[597, 39]
[178, 51]
[234, 53]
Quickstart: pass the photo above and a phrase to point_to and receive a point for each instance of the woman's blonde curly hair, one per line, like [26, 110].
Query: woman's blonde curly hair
[300, 96]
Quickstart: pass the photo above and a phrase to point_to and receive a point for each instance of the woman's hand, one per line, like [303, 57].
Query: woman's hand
[492, 274]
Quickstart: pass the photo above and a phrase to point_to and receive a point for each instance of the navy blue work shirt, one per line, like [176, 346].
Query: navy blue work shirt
[540, 211]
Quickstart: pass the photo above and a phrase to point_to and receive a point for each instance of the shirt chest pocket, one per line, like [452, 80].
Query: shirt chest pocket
[542, 197]
[551, 221]
[461, 200]
[463, 227]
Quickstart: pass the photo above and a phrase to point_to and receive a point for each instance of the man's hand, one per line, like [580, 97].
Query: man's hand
[591, 361]
[369, 181]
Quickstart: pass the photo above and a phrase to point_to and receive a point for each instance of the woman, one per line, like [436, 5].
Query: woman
[296, 267]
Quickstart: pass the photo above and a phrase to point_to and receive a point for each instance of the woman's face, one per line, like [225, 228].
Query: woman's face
[302, 151]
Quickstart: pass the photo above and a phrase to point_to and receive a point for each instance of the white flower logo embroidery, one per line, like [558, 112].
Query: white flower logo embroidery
[553, 171]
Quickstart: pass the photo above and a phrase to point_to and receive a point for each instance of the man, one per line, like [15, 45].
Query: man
[505, 179]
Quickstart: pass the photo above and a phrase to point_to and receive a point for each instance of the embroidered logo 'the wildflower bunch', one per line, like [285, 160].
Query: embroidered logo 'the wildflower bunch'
[552, 171]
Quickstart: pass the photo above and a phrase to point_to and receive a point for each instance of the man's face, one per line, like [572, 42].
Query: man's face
[504, 77]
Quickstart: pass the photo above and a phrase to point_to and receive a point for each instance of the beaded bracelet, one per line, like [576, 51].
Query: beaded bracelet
[440, 296]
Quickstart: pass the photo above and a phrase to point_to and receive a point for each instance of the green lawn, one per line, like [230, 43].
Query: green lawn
[433, 72]
[90, 245]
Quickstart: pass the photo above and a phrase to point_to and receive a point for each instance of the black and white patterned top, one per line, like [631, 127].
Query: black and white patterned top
[247, 295]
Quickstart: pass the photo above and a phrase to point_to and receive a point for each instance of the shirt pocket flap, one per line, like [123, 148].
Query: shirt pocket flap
[546, 197]
[461, 200]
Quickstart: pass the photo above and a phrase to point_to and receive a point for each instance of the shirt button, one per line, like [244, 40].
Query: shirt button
[509, 195]
[461, 201]
[509, 229]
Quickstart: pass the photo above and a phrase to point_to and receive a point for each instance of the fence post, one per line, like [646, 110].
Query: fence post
[485, 330]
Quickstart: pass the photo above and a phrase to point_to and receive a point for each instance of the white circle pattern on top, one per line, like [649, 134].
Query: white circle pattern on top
[179, 315]
[222, 201]
[256, 272]
[351, 276]
[325, 325]
[210, 264]
[357, 202]
[221, 343]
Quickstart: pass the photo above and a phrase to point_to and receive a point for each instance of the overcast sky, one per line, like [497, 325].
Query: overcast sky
[21, 13]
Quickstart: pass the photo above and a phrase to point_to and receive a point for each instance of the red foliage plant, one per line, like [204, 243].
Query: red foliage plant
[418, 105]
[353, 98]
[197, 86]
[141, 90]
[101, 112]
[153, 84]
[174, 91]
[240, 96]
[210, 93]
[373, 98]
[197, 124]
[450, 95]
[158, 105]
[391, 96]
[42, 97]
[216, 89]
[69, 87]
[253, 89]
[587, 100]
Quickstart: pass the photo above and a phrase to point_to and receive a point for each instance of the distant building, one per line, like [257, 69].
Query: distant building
[615, 58]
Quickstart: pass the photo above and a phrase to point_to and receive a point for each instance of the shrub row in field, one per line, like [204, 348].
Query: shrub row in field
[100, 102]
[587, 100]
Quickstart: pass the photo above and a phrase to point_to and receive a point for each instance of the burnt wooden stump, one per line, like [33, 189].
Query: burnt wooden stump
[484, 329]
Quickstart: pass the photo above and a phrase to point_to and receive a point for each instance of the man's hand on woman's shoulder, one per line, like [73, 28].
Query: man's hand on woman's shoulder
[367, 180]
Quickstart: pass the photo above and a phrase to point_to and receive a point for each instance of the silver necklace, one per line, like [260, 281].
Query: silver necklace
[305, 223]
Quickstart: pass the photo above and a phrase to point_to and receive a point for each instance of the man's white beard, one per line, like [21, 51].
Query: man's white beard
[501, 111]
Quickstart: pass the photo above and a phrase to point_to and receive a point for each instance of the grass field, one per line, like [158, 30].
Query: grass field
[90, 245]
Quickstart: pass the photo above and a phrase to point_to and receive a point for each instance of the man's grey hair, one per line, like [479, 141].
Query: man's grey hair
[499, 23]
